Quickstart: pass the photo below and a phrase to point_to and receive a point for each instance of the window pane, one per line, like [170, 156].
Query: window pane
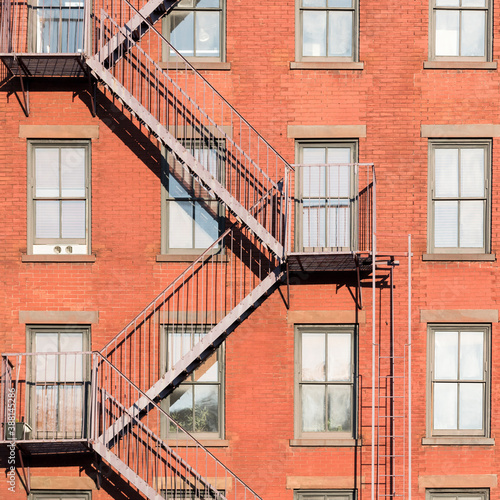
[446, 224]
[207, 34]
[71, 364]
[445, 406]
[45, 409]
[340, 3]
[178, 345]
[207, 4]
[313, 3]
[181, 406]
[339, 357]
[47, 172]
[46, 365]
[208, 371]
[206, 228]
[70, 411]
[339, 226]
[178, 184]
[471, 355]
[447, 33]
[206, 404]
[313, 356]
[339, 180]
[339, 408]
[473, 3]
[314, 33]
[182, 32]
[47, 219]
[471, 406]
[313, 223]
[313, 408]
[73, 172]
[447, 3]
[313, 184]
[472, 172]
[473, 33]
[472, 224]
[446, 355]
[180, 226]
[446, 172]
[340, 34]
[73, 219]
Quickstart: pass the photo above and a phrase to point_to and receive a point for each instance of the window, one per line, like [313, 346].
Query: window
[460, 29]
[59, 383]
[60, 495]
[325, 197]
[457, 494]
[324, 495]
[197, 404]
[59, 26]
[325, 374]
[196, 29]
[328, 30]
[459, 380]
[59, 197]
[459, 197]
[192, 218]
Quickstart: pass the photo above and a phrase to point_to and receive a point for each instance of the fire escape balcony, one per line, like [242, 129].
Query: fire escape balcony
[335, 212]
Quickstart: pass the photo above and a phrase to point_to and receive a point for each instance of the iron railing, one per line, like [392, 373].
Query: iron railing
[200, 308]
[334, 208]
[180, 100]
[151, 450]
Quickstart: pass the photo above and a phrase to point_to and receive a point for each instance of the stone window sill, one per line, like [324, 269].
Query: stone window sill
[198, 65]
[460, 65]
[165, 257]
[348, 65]
[58, 258]
[490, 257]
[325, 442]
[207, 443]
[459, 441]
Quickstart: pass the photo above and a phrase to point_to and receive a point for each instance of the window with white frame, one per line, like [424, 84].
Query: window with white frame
[59, 382]
[192, 218]
[327, 30]
[325, 382]
[59, 26]
[459, 197]
[459, 385]
[198, 403]
[324, 194]
[59, 197]
[460, 29]
[196, 29]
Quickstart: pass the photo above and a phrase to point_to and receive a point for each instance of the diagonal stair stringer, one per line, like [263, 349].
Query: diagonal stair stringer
[193, 165]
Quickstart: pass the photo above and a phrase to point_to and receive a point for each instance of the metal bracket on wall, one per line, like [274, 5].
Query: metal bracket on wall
[26, 479]
[359, 295]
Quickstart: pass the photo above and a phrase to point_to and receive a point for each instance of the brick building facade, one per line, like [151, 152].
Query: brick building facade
[120, 165]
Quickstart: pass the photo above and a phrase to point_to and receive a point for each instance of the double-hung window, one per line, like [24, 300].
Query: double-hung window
[324, 196]
[196, 29]
[191, 217]
[327, 30]
[324, 495]
[59, 26]
[457, 494]
[59, 197]
[198, 403]
[325, 382]
[59, 382]
[459, 197]
[459, 380]
[460, 29]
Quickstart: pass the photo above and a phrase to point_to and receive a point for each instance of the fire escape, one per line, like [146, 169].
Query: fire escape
[112, 398]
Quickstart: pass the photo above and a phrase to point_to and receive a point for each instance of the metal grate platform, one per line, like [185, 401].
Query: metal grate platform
[41, 447]
[45, 65]
[327, 261]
